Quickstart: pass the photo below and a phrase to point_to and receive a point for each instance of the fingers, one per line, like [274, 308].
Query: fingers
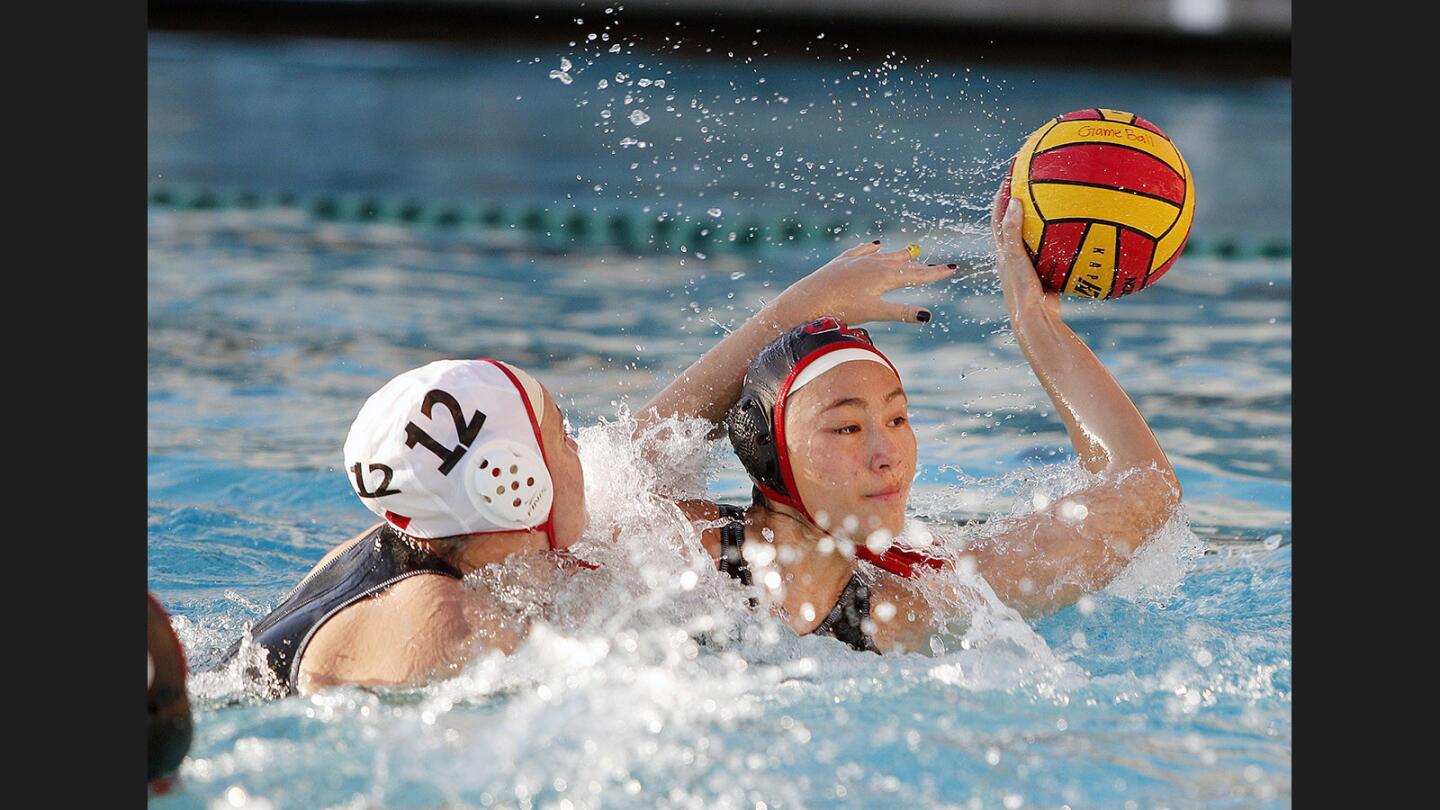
[904, 254]
[1012, 261]
[863, 250]
[1009, 235]
[916, 275]
[902, 313]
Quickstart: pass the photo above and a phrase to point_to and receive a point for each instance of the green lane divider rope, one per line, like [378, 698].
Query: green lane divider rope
[623, 229]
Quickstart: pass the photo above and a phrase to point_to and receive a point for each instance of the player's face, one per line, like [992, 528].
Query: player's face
[852, 450]
[563, 457]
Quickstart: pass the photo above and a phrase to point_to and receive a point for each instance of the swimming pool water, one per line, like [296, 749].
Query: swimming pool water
[268, 329]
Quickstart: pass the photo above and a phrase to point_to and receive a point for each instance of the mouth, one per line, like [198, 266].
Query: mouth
[889, 495]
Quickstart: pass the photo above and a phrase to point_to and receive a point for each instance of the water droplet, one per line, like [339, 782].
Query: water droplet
[561, 75]
[737, 275]
[714, 212]
[638, 117]
[565, 64]
[1071, 512]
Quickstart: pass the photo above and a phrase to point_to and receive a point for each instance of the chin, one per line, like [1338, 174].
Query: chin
[892, 520]
[895, 523]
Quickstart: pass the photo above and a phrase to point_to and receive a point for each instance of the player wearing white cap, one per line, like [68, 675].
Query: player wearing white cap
[468, 462]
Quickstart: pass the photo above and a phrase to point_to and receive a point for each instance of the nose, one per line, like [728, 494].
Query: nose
[884, 451]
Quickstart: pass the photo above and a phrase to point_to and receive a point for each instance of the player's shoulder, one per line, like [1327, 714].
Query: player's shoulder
[429, 598]
[399, 636]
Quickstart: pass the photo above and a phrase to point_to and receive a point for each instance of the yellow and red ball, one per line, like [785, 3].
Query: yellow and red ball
[1108, 202]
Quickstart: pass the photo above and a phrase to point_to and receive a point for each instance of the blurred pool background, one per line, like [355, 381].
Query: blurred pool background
[327, 213]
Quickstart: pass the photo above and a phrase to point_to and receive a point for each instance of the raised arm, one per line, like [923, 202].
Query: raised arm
[848, 288]
[1046, 560]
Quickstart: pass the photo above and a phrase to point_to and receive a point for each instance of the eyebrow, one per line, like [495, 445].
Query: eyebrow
[898, 392]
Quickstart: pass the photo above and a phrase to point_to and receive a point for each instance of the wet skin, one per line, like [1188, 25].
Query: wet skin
[852, 449]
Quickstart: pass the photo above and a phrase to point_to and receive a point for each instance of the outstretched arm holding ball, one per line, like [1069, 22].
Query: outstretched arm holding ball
[1046, 560]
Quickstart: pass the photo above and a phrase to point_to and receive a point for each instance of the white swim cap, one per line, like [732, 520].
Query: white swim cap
[453, 448]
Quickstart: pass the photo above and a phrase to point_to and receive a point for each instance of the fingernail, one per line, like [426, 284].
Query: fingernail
[923, 315]
[876, 242]
[913, 249]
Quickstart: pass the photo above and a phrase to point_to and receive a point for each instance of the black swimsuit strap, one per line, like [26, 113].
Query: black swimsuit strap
[732, 537]
[368, 567]
[847, 619]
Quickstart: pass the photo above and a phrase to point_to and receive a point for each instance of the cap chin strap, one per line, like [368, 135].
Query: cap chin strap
[777, 497]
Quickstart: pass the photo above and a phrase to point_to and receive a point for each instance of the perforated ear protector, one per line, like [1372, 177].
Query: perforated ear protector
[754, 442]
[508, 484]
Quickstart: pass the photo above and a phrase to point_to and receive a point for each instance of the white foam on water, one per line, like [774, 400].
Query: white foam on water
[651, 670]
[656, 600]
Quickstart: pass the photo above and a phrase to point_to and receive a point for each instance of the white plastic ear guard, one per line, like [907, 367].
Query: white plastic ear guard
[509, 484]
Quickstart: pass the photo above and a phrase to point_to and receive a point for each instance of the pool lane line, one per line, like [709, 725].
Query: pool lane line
[619, 228]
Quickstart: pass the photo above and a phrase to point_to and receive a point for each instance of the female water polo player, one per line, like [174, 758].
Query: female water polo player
[169, 725]
[821, 426]
[468, 462]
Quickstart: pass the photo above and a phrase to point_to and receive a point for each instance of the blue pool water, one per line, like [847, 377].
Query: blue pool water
[267, 329]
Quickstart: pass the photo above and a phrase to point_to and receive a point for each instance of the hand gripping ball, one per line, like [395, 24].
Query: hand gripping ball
[1108, 202]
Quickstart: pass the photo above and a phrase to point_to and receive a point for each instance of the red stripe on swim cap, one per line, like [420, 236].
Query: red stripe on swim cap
[786, 475]
[399, 521]
[548, 526]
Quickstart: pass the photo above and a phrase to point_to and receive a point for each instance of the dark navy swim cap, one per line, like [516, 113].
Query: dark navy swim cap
[757, 422]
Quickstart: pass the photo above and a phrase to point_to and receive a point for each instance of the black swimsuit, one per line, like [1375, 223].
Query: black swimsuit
[846, 621]
[370, 565]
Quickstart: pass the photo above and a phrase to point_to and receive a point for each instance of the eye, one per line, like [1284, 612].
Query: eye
[847, 430]
[899, 420]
